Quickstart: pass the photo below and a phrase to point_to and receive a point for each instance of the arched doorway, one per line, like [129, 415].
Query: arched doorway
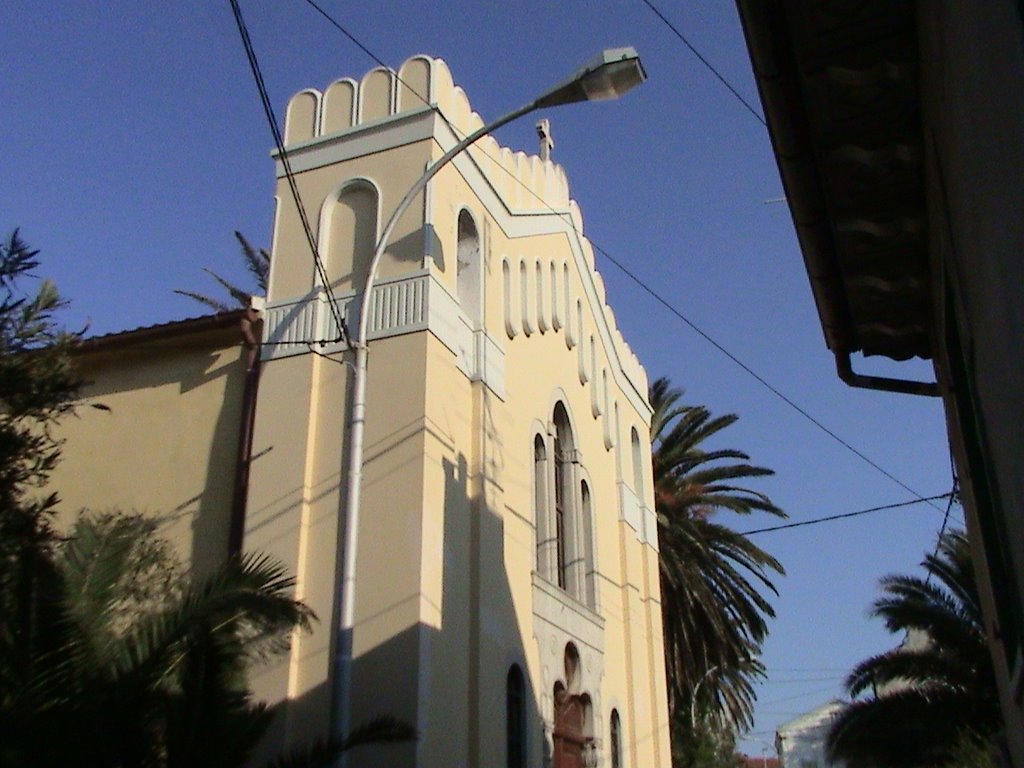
[571, 741]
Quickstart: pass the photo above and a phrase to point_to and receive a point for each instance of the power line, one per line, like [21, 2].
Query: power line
[770, 681]
[268, 110]
[629, 273]
[355, 41]
[704, 61]
[859, 512]
[945, 518]
[757, 377]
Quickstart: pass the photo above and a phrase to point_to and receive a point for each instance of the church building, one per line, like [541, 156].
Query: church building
[507, 598]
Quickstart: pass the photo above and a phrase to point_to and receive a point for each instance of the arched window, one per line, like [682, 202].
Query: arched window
[562, 508]
[353, 234]
[564, 451]
[515, 719]
[638, 467]
[468, 271]
[615, 740]
[589, 567]
[540, 507]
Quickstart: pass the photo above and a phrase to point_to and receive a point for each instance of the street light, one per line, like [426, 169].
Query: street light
[693, 699]
[608, 76]
[752, 659]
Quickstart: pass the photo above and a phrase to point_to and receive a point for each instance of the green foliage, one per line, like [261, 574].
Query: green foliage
[973, 751]
[109, 655]
[933, 700]
[711, 745]
[257, 264]
[714, 613]
[37, 386]
[133, 665]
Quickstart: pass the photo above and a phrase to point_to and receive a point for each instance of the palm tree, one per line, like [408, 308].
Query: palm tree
[108, 656]
[714, 614]
[935, 695]
[257, 263]
[136, 665]
[131, 665]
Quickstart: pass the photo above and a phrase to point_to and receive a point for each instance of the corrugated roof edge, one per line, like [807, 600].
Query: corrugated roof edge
[161, 331]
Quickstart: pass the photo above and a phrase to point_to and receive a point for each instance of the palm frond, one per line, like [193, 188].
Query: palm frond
[215, 304]
[257, 264]
[715, 616]
[257, 261]
[935, 687]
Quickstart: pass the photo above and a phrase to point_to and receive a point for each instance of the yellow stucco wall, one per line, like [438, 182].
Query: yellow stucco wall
[168, 443]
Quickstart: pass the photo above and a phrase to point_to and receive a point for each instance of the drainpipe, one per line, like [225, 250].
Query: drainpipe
[251, 334]
[902, 386]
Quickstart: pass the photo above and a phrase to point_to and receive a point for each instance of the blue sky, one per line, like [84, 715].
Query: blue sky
[133, 144]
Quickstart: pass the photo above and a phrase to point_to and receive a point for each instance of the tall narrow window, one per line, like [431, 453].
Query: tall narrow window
[615, 740]
[568, 568]
[590, 571]
[638, 467]
[515, 719]
[540, 505]
[560, 516]
[468, 267]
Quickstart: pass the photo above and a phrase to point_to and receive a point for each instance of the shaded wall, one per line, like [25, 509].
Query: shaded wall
[972, 65]
[168, 444]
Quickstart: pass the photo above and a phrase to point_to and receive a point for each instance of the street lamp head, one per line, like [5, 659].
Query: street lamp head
[608, 76]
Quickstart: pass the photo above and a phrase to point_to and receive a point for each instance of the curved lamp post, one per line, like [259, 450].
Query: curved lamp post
[608, 76]
[696, 690]
[753, 660]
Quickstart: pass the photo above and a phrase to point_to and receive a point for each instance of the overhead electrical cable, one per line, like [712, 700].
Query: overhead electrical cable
[635, 278]
[711, 68]
[818, 520]
[268, 110]
[953, 498]
[755, 375]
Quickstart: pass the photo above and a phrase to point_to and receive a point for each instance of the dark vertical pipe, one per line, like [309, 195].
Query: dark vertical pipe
[250, 327]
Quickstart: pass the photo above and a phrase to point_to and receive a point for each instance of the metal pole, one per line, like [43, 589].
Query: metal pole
[693, 700]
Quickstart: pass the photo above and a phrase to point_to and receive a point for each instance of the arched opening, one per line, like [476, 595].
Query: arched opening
[511, 316]
[571, 664]
[468, 271]
[615, 740]
[571, 740]
[589, 566]
[352, 237]
[564, 487]
[524, 299]
[515, 719]
[638, 467]
[541, 516]
[542, 303]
